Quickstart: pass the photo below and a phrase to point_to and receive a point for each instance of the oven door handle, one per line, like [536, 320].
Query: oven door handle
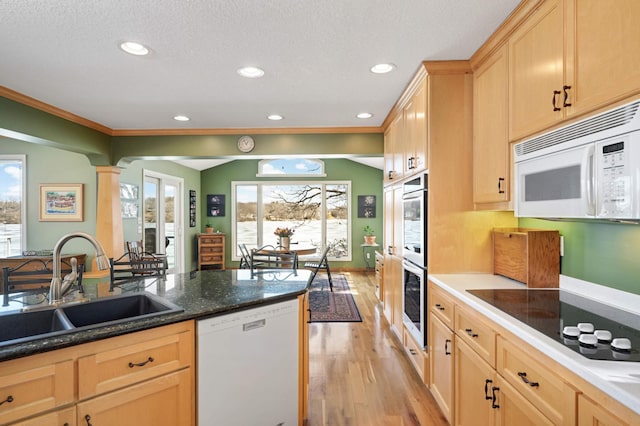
[412, 267]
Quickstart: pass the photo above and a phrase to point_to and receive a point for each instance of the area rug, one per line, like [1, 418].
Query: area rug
[332, 306]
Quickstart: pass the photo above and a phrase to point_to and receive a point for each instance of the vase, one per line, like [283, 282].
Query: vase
[284, 242]
[370, 239]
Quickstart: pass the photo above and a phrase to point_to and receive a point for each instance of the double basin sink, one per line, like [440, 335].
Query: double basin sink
[32, 325]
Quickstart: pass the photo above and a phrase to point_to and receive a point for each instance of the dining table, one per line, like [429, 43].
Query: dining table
[280, 257]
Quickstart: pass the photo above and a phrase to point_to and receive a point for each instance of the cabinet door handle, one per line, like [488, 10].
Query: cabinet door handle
[487, 382]
[439, 307]
[566, 96]
[523, 376]
[413, 352]
[446, 347]
[493, 397]
[9, 400]
[141, 364]
[87, 418]
[500, 181]
[390, 174]
[553, 100]
[470, 332]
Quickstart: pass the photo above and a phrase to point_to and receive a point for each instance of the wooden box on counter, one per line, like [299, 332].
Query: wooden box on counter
[531, 256]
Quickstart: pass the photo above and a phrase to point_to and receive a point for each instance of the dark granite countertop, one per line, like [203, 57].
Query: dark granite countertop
[201, 294]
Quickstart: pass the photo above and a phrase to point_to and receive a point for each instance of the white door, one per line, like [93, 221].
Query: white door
[163, 222]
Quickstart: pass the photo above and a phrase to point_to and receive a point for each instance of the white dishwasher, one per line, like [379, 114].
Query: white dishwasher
[248, 367]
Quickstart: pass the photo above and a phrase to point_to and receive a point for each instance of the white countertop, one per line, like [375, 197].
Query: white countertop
[620, 380]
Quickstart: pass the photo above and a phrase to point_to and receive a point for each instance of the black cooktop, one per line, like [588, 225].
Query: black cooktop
[553, 312]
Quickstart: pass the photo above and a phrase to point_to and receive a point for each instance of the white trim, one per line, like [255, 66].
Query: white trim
[23, 196]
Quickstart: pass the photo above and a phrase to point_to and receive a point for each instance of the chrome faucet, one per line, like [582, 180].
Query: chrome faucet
[59, 286]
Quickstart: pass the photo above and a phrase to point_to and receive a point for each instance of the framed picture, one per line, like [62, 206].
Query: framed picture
[62, 202]
[367, 206]
[192, 208]
[215, 205]
[129, 200]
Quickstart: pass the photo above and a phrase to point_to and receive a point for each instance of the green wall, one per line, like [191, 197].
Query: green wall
[52, 165]
[598, 252]
[365, 180]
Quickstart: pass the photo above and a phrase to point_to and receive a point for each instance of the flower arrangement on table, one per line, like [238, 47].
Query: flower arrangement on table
[284, 232]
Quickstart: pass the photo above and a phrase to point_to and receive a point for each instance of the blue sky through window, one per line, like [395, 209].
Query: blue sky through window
[291, 166]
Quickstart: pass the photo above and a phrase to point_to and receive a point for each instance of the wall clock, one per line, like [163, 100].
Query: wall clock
[246, 143]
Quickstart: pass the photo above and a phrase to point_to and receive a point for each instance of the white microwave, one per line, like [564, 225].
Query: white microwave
[587, 170]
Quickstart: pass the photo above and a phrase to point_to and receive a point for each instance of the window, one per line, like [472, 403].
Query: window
[12, 205]
[318, 211]
[290, 167]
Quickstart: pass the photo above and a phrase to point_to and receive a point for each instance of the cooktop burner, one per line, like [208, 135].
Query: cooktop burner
[593, 329]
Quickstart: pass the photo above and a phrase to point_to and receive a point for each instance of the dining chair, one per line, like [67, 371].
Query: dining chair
[268, 257]
[145, 262]
[34, 276]
[322, 264]
[245, 257]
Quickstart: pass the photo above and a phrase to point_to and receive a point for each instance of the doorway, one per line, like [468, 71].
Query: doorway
[163, 195]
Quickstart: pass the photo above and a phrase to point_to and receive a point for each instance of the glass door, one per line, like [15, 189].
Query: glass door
[163, 218]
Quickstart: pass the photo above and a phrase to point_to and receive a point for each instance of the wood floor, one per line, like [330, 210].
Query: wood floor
[359, 375]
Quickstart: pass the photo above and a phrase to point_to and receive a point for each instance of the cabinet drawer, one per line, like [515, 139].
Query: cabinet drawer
[471, 328]
[417, 356]
[29, 388]
[214, 239]
[205, 251]
[210, 259]
[441, 305]
[537, 383]
[131, 362]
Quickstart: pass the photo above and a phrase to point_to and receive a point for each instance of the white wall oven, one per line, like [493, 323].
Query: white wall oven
[414, 254]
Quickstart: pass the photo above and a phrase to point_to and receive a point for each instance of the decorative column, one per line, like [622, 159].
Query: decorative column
[109, 229]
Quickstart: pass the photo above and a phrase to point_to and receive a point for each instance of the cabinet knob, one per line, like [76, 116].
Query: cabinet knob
[9, 399]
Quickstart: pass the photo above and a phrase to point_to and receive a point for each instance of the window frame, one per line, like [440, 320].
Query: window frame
[23, 194]
[263, 163]
[234, 244]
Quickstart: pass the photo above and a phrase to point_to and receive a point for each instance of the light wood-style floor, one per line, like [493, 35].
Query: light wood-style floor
[359, 375]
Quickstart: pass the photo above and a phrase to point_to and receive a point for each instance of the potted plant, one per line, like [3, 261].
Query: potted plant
[285, 235]
[208, 228]
[369, 237]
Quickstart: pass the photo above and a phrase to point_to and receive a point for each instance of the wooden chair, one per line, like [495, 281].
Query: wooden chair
[321, 264]
[33, 276]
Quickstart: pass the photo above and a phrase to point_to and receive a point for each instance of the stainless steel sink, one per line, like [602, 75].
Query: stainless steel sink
[26, 326]
[118, 309]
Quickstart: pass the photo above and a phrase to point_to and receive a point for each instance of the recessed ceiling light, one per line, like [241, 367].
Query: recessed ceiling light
[181, 118]
[275, 117]
[251, 72]
[382, 68]
[364, 115]
[134, 48]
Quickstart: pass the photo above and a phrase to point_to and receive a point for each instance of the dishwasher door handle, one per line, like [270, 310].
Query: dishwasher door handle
[254, 325]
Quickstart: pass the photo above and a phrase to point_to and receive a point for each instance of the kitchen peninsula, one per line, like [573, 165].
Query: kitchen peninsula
[109, 371]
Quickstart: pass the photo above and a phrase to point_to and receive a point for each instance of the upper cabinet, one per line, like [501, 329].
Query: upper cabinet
[571, 57]
[491, 159]
[405, 141]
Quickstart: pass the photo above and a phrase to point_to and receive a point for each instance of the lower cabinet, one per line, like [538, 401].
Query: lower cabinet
[165, 400]
[141, 378]
[441, 352]
[498, 379]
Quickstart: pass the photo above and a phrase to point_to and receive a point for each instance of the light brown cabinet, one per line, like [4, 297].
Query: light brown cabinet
[142, 378]
[491, 154]
[559, 67]
[472, 405]
[211, 250]
[393, 154]
[591, 413]
[441, 353]
[392, 289]
[415, 130]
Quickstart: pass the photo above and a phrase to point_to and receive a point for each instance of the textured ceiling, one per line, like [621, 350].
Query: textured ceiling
[316, 55]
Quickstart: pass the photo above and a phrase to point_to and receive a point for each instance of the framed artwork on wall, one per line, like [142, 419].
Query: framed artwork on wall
[192, 208]
[62, 202]
[215, 205]
[367, 206]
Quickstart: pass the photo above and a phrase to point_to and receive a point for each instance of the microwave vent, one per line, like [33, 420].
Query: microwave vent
[606, 121]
